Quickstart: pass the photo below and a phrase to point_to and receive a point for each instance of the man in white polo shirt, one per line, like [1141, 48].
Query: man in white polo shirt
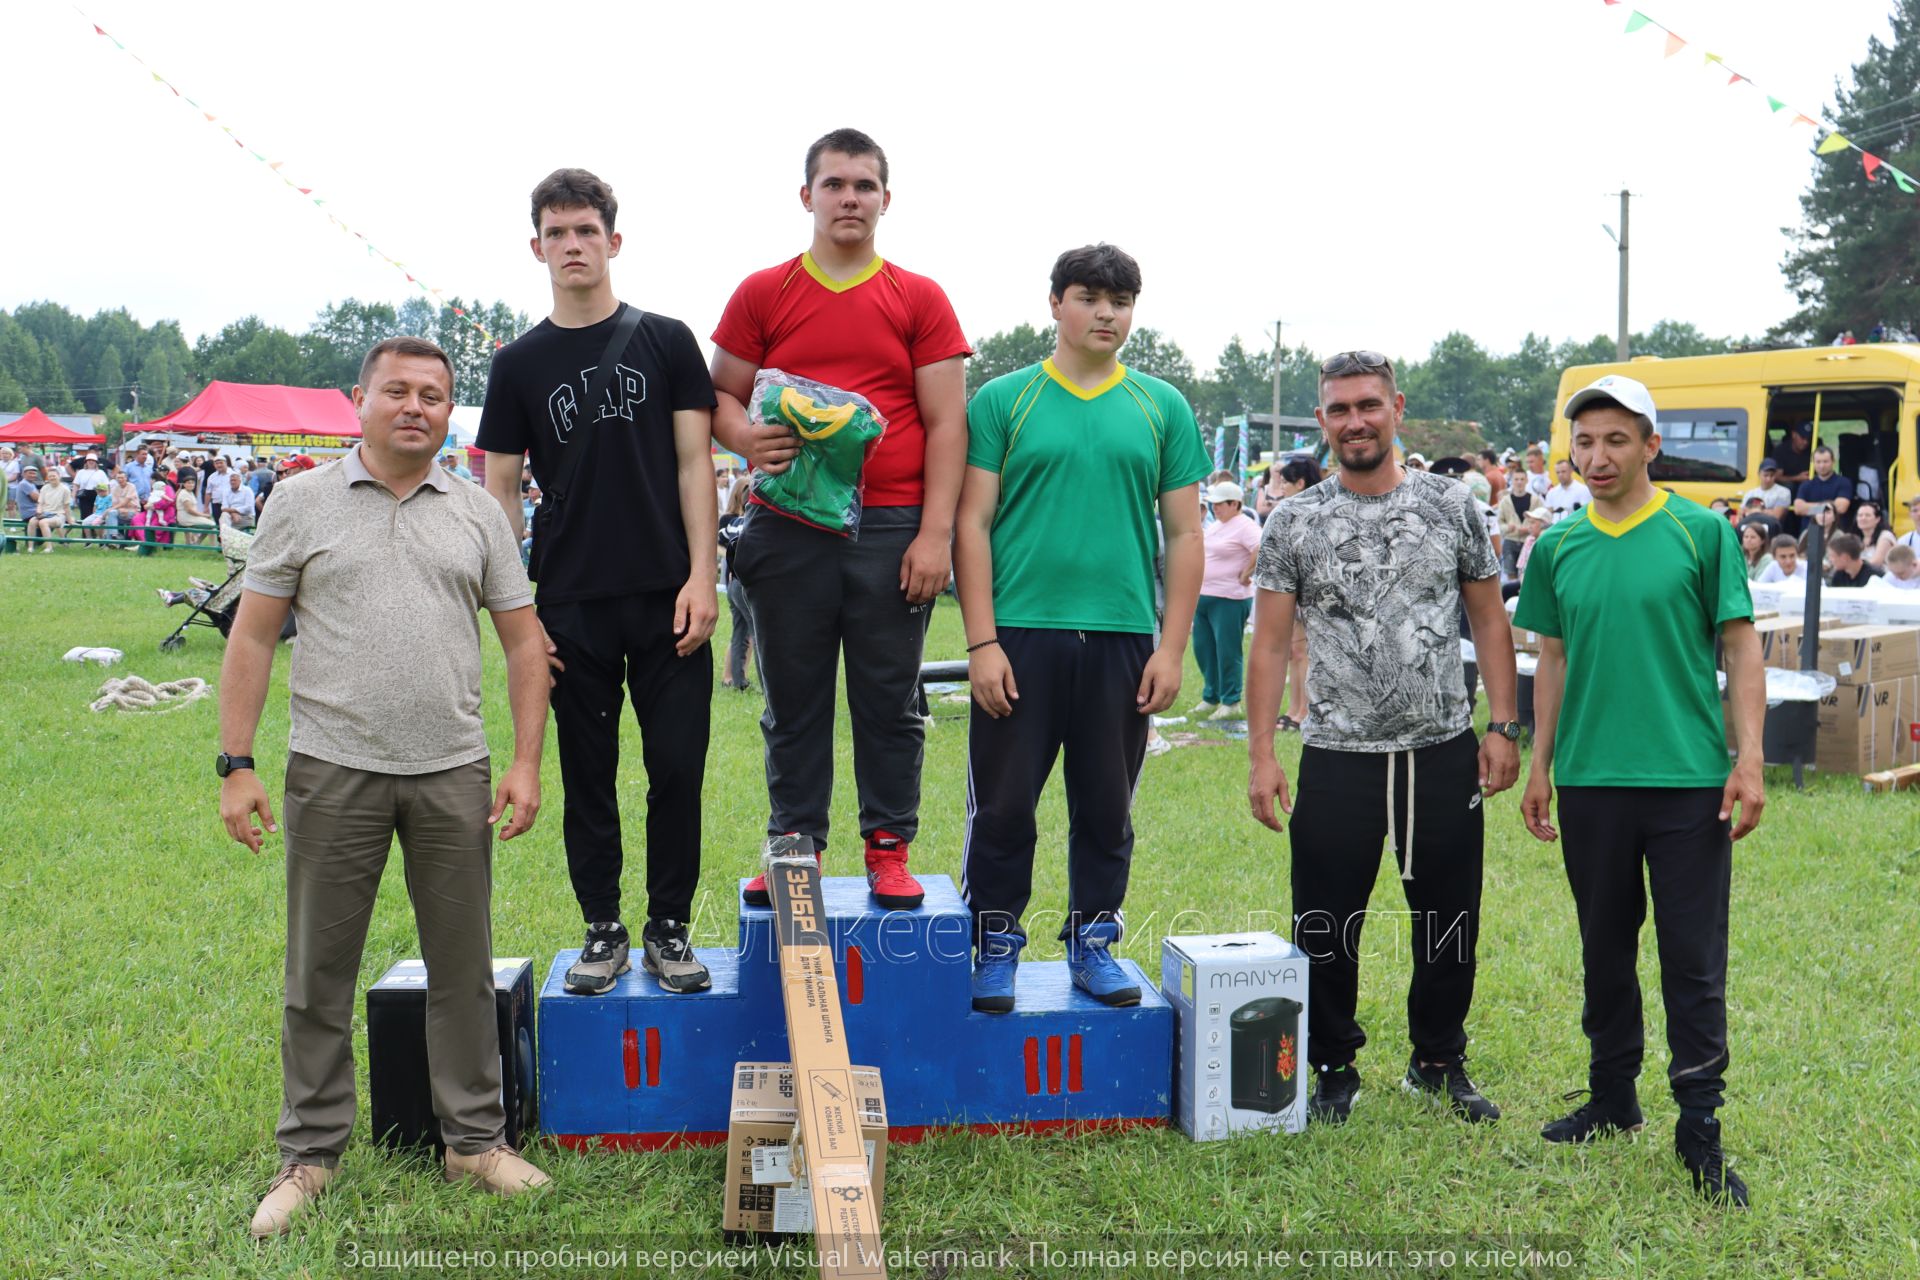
[385, 561]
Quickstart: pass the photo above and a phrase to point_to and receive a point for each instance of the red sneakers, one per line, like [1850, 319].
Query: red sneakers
[887, 877]
[756, 895]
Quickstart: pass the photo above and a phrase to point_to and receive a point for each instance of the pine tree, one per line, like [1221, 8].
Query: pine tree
[1855, 261]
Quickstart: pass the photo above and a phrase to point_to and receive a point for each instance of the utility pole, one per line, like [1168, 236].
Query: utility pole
[1273, 438]
[1621, 342]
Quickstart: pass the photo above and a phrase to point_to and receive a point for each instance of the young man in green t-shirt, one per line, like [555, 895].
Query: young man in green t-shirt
[1627, 595]
[1054, 547]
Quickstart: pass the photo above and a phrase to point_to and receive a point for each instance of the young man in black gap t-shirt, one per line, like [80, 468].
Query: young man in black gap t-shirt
[623, 602]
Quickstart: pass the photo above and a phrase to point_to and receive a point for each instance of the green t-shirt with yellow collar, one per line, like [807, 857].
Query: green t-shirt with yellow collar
[1081, 473]
[1637, 603]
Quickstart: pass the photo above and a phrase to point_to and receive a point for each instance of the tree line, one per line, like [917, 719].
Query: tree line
[113, 365]
[1510, 396]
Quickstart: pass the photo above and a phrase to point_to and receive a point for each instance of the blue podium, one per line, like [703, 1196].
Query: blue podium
[638, 1067]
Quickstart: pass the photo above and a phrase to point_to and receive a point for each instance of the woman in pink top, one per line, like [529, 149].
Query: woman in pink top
[1226, 597]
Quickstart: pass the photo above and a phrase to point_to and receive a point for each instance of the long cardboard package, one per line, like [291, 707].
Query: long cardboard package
[829, 1150]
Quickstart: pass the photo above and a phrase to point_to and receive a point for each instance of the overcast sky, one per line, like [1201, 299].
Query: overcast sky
[1377, 174]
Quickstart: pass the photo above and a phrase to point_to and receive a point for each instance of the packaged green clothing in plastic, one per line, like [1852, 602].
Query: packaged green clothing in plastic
[838, 432]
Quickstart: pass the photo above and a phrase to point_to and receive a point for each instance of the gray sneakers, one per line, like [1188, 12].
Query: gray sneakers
[668, 956]
[601, 961]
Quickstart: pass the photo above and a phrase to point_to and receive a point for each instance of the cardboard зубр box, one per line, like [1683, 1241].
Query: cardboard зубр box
[1905, 778]
[830, 1149]
[1861, 728]
[762, 1195]
[1870, 654]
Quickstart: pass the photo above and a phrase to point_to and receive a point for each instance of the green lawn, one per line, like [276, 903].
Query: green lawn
[140, 985]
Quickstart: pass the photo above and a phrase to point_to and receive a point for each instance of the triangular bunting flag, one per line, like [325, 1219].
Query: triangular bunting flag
[457, 311]
[158, 78]
[97, 31]
[1831, 143]
[275, 165]
[1870, 162]
[1805, 120]
[305, 191]
[257, 156]
[410, 279]
[1774, 104]
[209, 115]
[1636, 20]
[1736, 78]
[1674, 44]
[1901, 180]
[1712, 58]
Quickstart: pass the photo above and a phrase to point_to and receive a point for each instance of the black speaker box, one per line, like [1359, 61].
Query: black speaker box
[402, 1097]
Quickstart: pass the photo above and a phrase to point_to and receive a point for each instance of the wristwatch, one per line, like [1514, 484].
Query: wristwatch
[1508, 729]
[224, 764]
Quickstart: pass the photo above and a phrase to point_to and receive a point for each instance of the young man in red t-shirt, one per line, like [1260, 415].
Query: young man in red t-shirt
[842, 315]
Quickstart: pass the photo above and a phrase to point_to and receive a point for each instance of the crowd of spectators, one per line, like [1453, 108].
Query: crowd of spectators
[145, 495]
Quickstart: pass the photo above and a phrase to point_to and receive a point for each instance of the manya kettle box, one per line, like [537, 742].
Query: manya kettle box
[1240, 1018]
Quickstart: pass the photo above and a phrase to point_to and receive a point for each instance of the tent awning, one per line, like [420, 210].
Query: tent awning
[237, 408]
[35, 427]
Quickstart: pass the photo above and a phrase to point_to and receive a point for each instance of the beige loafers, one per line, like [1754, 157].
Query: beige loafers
[499, 1170]
[296, 1187]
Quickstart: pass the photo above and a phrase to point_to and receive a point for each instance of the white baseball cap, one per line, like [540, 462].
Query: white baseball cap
[1226, 491]
[1628, 393]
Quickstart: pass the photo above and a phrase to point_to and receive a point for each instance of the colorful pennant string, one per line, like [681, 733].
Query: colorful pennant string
[274, 166]
[1833, 142]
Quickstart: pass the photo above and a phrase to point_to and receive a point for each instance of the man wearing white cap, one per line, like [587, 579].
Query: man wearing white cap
[1627, 594]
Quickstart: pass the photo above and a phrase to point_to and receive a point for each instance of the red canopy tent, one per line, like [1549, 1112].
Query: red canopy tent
[35, 427]
[236, 408]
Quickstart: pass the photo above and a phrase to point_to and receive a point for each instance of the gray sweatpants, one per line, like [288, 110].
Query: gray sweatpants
[816, 595]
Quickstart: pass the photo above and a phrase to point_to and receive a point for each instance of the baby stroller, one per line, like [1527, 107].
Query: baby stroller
[216, 605]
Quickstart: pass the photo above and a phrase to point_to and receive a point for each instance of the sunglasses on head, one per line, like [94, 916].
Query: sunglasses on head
[1355, 362]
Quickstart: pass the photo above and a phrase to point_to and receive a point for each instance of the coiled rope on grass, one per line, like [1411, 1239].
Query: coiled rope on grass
[131, 693]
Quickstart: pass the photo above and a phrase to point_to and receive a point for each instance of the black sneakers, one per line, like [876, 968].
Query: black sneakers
[1334, 1090]
[1696, 1140]
[1606, 1111]
[1449, 1084]
[668, 956]
[602, 960]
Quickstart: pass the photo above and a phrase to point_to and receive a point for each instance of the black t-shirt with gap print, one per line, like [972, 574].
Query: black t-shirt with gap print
[619, 530]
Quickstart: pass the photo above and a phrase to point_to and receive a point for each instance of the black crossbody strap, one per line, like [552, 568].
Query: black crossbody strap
[584, 430]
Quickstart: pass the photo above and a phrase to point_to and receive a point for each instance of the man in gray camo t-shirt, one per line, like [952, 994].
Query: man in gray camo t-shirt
[1377, 581]
[1378, 562]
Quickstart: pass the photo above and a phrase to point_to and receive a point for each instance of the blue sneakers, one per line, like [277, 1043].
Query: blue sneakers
[1094, 971]
[993, 971]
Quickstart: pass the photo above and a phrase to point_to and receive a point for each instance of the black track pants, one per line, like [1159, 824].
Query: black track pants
[1077, 695]
[1607, 835]
[606, 644]
[1340, 822]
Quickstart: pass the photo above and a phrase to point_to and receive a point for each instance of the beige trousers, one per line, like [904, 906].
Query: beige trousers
[340, 824]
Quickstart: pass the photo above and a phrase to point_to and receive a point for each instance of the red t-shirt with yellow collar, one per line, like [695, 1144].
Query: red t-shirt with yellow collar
[867, 335]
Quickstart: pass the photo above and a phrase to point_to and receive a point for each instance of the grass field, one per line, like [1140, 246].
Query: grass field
[140, 987]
